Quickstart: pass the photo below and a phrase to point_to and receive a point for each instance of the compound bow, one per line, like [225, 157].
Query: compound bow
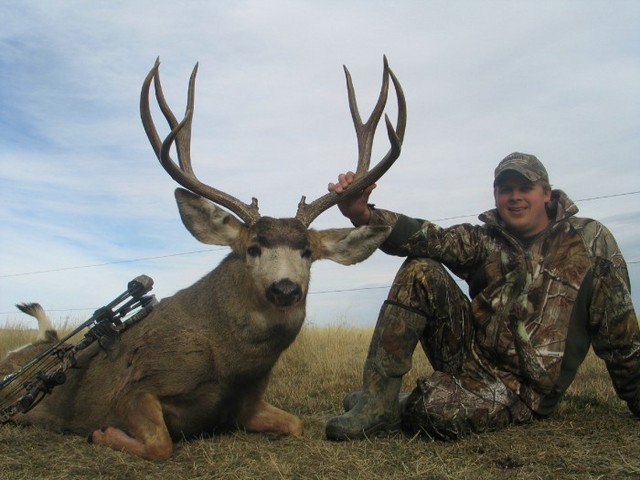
[46, 370]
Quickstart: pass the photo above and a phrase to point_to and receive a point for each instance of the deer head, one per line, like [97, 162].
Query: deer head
[260, 240]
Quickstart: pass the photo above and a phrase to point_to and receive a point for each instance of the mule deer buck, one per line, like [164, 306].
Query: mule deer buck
[200, 362]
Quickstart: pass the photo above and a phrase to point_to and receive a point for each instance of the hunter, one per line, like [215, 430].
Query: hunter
[543, 286]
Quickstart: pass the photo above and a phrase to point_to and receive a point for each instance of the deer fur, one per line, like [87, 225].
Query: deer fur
[46, 333]
[200, 362]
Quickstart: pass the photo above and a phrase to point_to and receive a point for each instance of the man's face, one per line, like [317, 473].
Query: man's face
[521, 204]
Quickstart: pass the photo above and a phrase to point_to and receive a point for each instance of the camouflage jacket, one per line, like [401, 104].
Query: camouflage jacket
[537, 306]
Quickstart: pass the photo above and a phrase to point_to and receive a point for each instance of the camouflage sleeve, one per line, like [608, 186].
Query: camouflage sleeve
[460, 247]
[383, 217]
[404, 229]
[615, 332]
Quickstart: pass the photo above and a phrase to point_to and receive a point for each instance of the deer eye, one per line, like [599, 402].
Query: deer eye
[306, 253]
[254, 251]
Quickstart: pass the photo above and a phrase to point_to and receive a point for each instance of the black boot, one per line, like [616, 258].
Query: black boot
[377, 410]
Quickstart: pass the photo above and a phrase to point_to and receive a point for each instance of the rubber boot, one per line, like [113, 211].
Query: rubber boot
[351, 399]
[377, 410]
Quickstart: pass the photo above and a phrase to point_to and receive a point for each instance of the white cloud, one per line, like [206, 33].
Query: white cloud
[79, 184]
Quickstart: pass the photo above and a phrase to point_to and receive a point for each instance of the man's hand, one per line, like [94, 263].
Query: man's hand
[355, 208]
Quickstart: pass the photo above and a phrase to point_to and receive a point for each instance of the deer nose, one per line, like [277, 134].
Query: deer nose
[284, 293]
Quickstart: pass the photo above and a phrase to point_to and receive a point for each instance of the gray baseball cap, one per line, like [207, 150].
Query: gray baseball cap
[526, 165]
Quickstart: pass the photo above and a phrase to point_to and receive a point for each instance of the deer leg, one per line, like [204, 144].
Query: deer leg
[150, 440]
[264, 417]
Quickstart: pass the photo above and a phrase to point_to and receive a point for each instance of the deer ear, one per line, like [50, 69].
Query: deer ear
[205, 221]
[350, 245]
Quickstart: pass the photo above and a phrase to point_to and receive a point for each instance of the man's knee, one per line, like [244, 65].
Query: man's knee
[418, 278]
[423, 269]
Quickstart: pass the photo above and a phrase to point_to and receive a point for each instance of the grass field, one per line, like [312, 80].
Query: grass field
[592, 435]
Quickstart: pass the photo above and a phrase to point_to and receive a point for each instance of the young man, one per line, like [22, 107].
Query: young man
[544, 285]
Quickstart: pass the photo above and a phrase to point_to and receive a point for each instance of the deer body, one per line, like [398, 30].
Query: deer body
[200, 361]
[199, 367]
[204, 354]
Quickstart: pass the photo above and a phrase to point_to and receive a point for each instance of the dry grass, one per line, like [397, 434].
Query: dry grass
[591, 436]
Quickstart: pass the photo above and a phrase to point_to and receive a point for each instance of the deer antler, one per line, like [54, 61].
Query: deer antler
[181, 134]
[365, 133]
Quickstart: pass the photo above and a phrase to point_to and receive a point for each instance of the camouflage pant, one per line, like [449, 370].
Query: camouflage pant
[461, 396]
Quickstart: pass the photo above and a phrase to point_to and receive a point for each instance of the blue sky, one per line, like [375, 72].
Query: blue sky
[85, 206]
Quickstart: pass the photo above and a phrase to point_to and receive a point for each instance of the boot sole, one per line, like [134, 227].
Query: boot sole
[379, 430]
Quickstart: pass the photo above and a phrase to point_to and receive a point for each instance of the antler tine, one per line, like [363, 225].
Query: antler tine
[365, 133]
[183, 139]
[145, 110]
[181, 134]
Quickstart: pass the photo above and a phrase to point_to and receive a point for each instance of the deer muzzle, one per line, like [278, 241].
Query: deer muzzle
[284, 293]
